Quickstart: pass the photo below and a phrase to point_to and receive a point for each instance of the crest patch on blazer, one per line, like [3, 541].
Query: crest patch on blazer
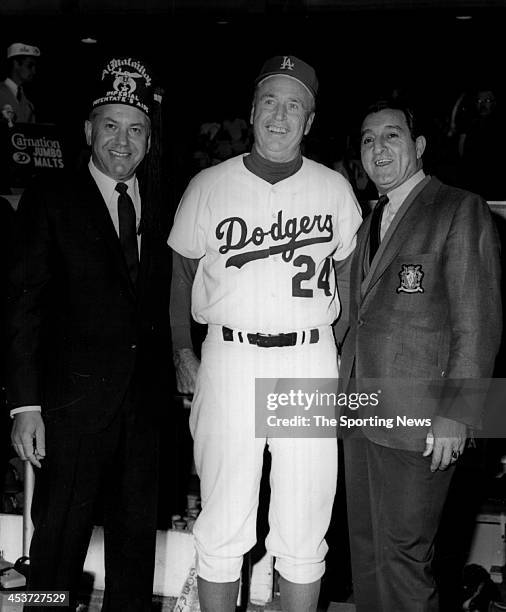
[411, 279]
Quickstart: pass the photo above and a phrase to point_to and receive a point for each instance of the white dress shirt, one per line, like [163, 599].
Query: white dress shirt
[107, 187]
[396, 198]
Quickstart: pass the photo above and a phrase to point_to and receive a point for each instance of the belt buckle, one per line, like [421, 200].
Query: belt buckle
[265, 340]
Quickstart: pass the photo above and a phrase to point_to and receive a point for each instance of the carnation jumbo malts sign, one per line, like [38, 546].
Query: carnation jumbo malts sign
[33, 149]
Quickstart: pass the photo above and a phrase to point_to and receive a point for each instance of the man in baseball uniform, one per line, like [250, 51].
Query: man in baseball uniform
[254, 240]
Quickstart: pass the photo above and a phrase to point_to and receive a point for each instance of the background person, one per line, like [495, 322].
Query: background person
[483, 156]
[15, 107]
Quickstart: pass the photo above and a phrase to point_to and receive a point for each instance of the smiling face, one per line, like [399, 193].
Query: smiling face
[282, 114]
[119, 136]
[390, 156]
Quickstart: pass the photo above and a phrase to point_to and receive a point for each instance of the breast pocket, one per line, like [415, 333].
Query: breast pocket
[415, 283]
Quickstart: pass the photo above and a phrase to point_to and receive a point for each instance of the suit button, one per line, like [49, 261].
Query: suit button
[133, 346]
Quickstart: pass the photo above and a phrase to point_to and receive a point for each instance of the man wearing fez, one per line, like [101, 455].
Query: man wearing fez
[88, 343]
[15, 107]
[254, 242]
[425, 319]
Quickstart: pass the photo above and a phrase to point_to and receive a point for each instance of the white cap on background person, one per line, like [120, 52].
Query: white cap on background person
[22, 49]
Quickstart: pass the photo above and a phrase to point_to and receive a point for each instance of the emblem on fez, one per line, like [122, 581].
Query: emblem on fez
[411, 279]
[124, 83]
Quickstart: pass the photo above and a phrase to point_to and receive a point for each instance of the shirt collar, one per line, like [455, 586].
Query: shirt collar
[397, 196]
[107, 185]
[12, 86]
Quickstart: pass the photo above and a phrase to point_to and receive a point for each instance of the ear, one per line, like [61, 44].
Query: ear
[148, 145]
[252, 114]
[309, 123]
[420, 144]
[87, 131]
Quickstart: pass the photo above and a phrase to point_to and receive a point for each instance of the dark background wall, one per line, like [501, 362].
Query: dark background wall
[206, 54]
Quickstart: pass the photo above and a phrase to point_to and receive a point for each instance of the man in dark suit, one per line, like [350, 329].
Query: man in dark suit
[425, 318]
[88, 347]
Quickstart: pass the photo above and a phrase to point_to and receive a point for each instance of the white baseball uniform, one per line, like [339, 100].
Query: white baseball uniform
[265, 266]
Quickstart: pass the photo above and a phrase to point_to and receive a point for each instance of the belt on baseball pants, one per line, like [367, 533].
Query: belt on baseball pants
[311, 336]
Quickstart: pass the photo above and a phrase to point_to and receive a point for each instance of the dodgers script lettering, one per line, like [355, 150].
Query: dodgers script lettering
[237, 236]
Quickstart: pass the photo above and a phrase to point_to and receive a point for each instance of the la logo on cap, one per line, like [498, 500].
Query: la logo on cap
[287, 63]
[291, 67]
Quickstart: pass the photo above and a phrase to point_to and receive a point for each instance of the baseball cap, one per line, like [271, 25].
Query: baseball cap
[290, 66]
[125, 80]
[22, 49]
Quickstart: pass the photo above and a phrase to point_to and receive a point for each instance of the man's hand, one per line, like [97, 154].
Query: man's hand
[28, 437]
[187, 366]
[446, 441]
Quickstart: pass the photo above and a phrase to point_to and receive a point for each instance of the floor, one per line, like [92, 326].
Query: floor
[166, 604]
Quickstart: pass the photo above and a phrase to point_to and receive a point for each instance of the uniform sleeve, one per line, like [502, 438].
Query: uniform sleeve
[342, 270]
[349, 219]
[188, 234]
[183, 273]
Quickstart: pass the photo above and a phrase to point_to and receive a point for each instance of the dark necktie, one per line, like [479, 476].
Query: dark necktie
[375, 229]
[19, 93]
[127, 230]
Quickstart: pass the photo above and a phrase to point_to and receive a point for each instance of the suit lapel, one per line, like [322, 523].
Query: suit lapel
[91, 200]
[144, 264]
[149, 243]
[359, 258]
[407, 218]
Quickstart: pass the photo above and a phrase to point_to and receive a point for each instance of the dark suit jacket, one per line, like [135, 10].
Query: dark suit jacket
[448, 328]
[80, 334]
[6, 222]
